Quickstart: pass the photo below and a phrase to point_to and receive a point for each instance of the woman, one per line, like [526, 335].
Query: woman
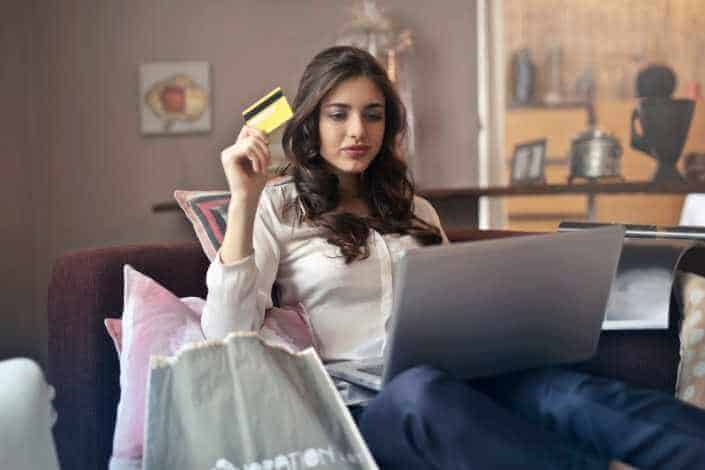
[327, 235]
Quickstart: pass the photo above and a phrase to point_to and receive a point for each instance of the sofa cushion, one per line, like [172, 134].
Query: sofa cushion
[157, 322]
[207, 211]
[690, 385]
[114, 325]
[154, 322]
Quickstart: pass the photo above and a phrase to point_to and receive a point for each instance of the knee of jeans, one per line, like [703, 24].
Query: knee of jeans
[410, 390]
[546, 380]
[407, 394]
[566, 382]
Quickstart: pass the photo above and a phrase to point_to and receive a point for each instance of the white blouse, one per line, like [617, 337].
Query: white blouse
[347, 305]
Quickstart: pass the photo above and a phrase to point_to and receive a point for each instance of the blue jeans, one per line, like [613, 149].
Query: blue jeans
[539, 419]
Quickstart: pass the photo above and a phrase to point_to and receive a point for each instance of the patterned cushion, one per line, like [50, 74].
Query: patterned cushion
[690, 386]
[208, 213]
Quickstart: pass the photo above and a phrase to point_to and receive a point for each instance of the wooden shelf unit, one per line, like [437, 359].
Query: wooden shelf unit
[559, 125]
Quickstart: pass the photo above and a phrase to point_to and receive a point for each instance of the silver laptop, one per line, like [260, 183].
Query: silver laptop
[486, 307]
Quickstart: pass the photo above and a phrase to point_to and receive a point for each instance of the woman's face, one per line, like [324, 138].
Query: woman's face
[351, 125]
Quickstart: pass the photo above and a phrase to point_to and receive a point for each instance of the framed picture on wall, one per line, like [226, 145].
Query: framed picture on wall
[528, 162]
[175, 98]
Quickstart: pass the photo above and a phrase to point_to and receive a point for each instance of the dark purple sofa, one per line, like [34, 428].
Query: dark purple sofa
[86, 286]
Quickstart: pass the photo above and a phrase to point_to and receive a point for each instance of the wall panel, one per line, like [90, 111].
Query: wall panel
[17, 257]
[76, 152]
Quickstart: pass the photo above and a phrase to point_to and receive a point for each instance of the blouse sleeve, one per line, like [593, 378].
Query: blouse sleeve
[239, 293]
[426, 212]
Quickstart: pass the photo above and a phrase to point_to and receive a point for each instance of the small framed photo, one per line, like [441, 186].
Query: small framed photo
[175, 98]
[528, 162]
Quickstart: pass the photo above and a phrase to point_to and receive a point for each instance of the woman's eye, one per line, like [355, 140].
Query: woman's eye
[337, 116]
[375, 116]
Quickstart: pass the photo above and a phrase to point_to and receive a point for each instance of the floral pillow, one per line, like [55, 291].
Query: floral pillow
[208, 213]
[690, 386]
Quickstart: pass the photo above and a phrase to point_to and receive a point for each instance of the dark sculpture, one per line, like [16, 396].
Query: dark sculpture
[655, 81]
[664, 121]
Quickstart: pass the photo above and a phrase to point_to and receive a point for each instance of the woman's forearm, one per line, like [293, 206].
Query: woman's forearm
[237, 242]
[245, 165]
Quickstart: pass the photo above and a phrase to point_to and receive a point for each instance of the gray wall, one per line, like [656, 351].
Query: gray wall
[21, 198]
[77, 173]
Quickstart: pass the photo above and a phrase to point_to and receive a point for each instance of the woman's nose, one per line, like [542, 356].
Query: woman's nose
[356, 127]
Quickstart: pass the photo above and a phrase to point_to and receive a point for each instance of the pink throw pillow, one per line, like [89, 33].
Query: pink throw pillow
[154, 322]
[289, 326]
[114, 325]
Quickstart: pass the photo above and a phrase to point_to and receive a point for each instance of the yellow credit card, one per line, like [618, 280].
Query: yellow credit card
[269, 112]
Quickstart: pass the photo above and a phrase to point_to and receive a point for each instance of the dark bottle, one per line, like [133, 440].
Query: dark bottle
[523, 77]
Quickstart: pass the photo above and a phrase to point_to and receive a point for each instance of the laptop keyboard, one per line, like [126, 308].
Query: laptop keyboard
[376, 369]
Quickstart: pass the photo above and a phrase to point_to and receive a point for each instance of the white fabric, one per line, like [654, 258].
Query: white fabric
[348, 305]
[26, 417]
[117, 463]
[693, 212]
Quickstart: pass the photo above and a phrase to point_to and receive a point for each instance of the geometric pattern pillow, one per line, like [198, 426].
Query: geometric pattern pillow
[690, 385]
[208, 213]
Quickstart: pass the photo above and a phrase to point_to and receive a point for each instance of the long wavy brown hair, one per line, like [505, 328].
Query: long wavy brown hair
[385, 186]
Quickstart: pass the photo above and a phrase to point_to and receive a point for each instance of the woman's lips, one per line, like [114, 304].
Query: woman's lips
[356, 151]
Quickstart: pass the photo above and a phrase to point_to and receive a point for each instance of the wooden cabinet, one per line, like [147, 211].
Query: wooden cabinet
[559, 125]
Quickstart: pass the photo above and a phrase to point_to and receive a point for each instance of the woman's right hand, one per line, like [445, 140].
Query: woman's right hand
[245, 164]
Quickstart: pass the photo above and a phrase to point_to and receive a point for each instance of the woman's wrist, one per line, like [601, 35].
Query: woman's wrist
[237, 242]
[244, 200]
[242, 206]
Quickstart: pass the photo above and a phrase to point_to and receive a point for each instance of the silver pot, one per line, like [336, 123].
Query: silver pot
[594, 154]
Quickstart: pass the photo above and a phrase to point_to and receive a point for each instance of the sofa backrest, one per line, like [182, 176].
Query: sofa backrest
[86, 286]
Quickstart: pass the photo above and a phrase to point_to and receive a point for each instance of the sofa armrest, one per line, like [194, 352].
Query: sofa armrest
[85, 287]
[642, 358]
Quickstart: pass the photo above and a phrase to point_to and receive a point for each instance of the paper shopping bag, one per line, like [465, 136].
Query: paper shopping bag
[242, 404]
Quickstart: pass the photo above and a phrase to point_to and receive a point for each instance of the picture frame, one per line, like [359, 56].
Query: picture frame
[175, 97]
[528, 162]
